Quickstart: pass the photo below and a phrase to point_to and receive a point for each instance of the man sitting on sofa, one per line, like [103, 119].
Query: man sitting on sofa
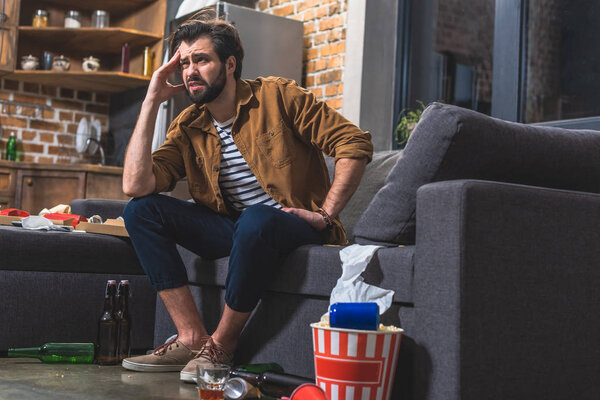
[252, 154]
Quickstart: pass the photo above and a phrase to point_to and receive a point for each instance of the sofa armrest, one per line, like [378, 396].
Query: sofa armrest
[104, 208]
[507, 299]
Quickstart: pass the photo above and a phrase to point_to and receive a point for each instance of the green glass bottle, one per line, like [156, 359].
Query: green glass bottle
[260, 368]
[74, 353]
[11, 147]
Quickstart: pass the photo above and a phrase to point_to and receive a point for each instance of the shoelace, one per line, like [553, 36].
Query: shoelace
[214, 353]
[163, 348]
[159, 351]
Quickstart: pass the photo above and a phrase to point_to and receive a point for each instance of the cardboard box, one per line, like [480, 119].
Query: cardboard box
[115, 227]
[8, 219]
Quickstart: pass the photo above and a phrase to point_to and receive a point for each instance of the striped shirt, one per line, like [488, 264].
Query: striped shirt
[237, 182]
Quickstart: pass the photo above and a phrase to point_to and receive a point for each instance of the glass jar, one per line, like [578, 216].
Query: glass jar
[40, 19]
[72, 19]
[148, 62]
[100, 19]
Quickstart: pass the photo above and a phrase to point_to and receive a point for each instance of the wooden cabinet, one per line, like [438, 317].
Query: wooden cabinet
[7, 187]
[139, 23]
[32, 186]
[39, 189]
[9, 23]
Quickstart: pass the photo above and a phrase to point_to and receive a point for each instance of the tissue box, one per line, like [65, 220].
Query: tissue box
[115, 227]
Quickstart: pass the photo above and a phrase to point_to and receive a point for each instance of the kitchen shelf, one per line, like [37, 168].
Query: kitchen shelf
[97, 41]
[93, 81]
[112, 6]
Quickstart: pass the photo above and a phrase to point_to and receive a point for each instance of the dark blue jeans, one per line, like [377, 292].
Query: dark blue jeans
[256, 243]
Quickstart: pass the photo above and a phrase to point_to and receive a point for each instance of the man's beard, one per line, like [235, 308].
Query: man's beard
[211, 91]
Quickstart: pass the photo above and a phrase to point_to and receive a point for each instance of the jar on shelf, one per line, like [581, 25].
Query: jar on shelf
[29, 63]
[100, 19]
[72, 19]
[90, 64]
[61, 64]
[148, 62]
[40, 19]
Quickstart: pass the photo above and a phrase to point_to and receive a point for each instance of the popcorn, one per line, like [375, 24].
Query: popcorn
[324, 323]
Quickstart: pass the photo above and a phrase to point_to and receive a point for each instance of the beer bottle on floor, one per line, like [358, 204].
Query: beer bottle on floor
[260, 368]
[123, 321]
[272, 383]
[74, 353]
[107, 328]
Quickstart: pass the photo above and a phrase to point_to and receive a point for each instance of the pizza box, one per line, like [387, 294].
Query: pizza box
[115, 227]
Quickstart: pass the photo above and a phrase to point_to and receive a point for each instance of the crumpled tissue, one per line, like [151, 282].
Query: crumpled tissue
[37, 223]
[351, 287]
[60, 208]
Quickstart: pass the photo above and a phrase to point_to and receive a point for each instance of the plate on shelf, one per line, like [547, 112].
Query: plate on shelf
[83, 134]
[96, 134]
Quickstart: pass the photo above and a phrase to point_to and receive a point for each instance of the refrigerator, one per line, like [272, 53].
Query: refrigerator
[272, 46]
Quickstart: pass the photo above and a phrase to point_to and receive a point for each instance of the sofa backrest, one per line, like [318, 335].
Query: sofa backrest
[455, 143]
[371, 182]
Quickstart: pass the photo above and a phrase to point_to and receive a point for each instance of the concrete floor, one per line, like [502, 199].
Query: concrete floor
[29, 379]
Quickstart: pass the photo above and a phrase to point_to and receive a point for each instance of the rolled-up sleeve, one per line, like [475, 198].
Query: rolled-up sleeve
[323, 126]
[167, 162]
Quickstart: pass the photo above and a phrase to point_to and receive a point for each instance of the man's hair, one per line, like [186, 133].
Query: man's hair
[224, 36]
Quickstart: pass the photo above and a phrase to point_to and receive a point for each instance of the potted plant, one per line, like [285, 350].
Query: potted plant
[407, 120]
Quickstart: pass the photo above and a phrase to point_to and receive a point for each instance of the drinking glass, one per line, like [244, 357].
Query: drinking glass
[211, 381]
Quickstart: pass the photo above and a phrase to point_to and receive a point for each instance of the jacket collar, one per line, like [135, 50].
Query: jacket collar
[204, 120]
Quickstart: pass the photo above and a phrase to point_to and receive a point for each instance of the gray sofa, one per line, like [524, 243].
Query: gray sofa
[52, 283]
[491, 236]
[491, 240]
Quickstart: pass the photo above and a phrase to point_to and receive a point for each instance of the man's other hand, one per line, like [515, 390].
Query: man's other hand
[312, 218]
[159, 89]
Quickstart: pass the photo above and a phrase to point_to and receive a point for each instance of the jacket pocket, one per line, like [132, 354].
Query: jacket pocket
[277, 145]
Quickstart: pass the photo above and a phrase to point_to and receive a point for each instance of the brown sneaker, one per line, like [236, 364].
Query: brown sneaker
[171, 356]
[210, 353]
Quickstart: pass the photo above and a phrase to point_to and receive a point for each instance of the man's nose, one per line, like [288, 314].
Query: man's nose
[190, 69]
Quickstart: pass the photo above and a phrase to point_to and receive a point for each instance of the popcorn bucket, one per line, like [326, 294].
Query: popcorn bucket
[355, 364]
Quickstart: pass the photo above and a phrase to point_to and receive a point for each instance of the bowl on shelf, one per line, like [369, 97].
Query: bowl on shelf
[30, 62]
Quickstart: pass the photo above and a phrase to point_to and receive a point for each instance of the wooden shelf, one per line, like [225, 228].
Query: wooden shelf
[112, 6]
[93, 81]
[97, 41]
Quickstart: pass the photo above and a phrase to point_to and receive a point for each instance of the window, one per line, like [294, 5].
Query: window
[450, 53]
[562, 79]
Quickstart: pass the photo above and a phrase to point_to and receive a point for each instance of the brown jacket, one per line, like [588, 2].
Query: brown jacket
[281, 130]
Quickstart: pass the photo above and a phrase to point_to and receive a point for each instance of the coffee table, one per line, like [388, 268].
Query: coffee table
[24, 378]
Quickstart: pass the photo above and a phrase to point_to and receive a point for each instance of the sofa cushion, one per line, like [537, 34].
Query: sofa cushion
[314, 270]
[455, 143]
[372, 180]
[52, 251]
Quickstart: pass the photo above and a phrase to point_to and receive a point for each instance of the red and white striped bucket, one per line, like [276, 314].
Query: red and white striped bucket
[355, 364]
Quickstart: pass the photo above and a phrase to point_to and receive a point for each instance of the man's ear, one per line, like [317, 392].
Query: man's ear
[230, 64]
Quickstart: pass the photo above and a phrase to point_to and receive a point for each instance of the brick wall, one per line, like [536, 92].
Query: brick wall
[324, 43]
[47, 135]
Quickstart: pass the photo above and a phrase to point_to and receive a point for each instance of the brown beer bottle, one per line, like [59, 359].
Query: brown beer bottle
[107, 328]
[123, 321]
